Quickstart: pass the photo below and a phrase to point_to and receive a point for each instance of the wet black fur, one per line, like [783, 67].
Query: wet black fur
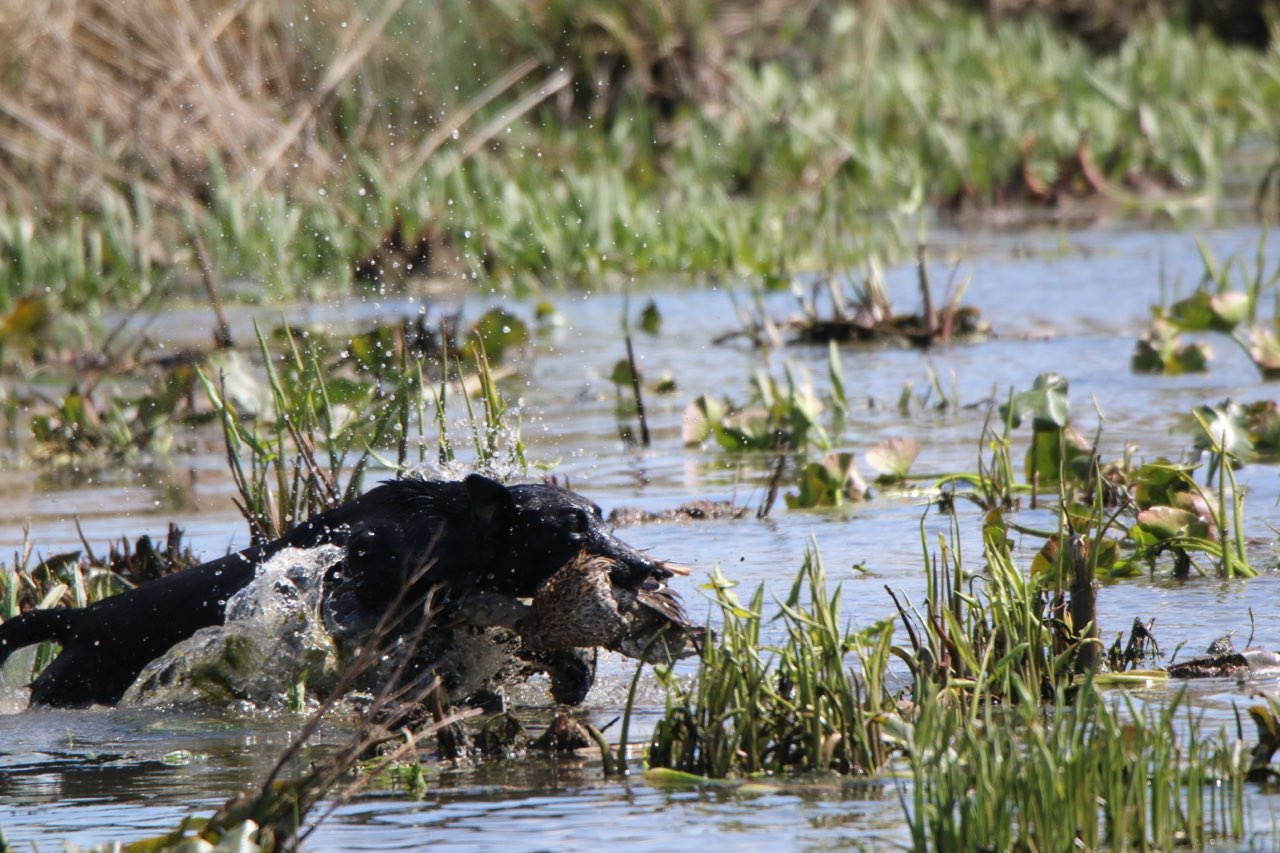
[471, 535]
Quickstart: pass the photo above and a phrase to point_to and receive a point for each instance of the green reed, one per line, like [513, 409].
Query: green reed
[760, 707]
[1087, 772]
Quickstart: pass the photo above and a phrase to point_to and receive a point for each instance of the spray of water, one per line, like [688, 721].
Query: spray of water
[274, 638]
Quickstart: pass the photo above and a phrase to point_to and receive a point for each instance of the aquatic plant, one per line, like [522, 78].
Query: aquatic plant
[1009, 740]
[1090, 773]
[1161, 349]
[756, 707]
[333, 408]
[777, 418]
[1226, 301]
[860, 310]
[279, 464]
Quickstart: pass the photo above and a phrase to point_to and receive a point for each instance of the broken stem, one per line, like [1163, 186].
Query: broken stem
[635, 387]
[926, 293]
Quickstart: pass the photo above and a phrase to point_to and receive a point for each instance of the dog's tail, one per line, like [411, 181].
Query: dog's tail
[35, 626]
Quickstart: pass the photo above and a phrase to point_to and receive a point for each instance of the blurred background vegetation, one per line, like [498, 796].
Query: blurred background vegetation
[285, 149]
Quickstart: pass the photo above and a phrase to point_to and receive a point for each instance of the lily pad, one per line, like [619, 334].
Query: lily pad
[1056, 454]
[1158, 482]
[651, 319]
[498, 331]
[893, 457]
[622, 374]
[1165, 522]
[1264, 349]
[749, 429]
[1223, 427]
[1263, 421]
[701, 417]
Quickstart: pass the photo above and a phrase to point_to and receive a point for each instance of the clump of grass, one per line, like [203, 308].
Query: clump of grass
[295, 464]
[308, 449]
[757, 707]
[1010, 742]
[1090, 773]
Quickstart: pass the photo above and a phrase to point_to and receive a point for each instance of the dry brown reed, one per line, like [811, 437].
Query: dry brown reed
[144, 92]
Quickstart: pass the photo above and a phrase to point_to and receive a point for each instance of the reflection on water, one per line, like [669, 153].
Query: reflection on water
[94, 776]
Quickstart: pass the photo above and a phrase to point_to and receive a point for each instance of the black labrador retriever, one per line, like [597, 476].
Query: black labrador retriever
[475, 535]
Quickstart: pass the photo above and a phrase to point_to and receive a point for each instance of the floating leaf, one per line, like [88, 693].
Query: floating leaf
[622, 375]
[666, 384]
[1047, 560]
[1202, 505]
[1223, 427]
[664, 777]
[1057, 454]
[1163, 523]
[1045, 403]
[1264, 350]
[1158, 482]
[751, 428]
[893, 457]
[701, 418]
[1263, 421]
[546, 314]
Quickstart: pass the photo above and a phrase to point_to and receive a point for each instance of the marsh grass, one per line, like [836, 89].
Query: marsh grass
[1001, 719]
[1008, 742]
[760, 707]
[1087, 772]
[79, 578]
[706, 138]
[310, 456]
[309, 449]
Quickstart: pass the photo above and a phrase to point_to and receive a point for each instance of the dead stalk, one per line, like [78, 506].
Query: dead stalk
[635, 387]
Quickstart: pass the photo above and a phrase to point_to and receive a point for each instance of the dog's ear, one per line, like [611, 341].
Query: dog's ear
[491, 502]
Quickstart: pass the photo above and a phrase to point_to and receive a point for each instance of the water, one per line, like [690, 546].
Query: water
[1071, 303]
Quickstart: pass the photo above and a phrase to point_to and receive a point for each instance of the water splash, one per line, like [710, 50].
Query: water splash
[14, 675]
[274, 637]
[293, 624]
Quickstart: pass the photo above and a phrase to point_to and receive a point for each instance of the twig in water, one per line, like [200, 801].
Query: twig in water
[635, 387]
[775, 480]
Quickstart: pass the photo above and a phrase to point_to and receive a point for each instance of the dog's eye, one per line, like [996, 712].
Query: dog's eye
[577, 521]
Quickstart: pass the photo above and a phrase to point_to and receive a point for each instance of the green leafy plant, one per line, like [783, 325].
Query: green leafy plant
[1225, 302]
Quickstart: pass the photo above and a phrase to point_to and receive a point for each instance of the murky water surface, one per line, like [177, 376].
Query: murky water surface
[1071, 303]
